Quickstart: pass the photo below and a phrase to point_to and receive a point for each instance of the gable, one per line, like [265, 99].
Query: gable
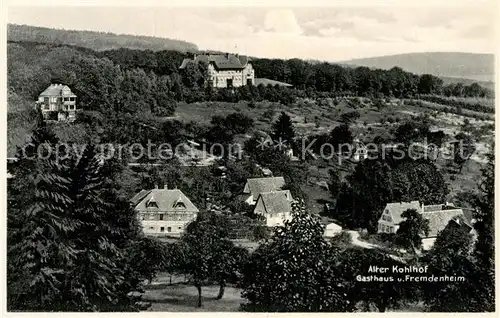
[396, 209]
[259, 207]
[247, 188]
[386, 217]
[273, 203]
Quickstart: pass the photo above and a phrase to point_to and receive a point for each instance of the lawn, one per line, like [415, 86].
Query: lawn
[184, 298]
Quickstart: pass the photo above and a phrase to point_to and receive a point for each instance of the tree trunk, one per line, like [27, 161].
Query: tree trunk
[222, 287]
[198, 287]
[382, 306]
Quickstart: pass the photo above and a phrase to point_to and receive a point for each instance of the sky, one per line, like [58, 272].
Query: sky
[321, 33]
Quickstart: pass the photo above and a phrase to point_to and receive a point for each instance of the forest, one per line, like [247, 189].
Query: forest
[94, 40]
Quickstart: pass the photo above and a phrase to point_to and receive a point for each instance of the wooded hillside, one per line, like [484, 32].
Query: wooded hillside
[95, 40]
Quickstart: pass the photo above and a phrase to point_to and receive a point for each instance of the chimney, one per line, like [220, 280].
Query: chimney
[156, 186]
[165, 186]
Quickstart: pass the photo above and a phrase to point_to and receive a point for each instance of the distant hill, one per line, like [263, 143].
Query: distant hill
[478, 67]
[98, 41]
[466, 81]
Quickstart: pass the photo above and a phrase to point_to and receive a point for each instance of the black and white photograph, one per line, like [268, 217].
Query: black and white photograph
[250, 158]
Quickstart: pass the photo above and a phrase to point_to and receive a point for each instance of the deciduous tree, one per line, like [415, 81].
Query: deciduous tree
[411, 230]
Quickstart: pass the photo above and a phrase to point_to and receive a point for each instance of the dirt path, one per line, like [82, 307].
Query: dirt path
[356, 241]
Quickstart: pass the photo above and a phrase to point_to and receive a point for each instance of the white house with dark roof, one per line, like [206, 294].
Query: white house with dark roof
[225, 70]
[275, 206]
[255, 186]
[439, 216]
[164, 211]
[57, 102]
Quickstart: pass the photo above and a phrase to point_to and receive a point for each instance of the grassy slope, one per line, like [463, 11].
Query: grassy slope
[366, 128]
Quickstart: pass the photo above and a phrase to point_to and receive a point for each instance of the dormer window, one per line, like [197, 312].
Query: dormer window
[151, 204]
[179, 205]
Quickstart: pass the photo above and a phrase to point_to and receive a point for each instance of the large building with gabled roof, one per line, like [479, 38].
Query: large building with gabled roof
[225, 70]
[164, 211]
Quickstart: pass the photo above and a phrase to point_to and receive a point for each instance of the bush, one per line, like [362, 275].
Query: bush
[261, 232]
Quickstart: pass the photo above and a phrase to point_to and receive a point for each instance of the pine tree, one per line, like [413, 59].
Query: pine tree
[70, 236]
[38, 221]
[108, 226]
[283, 128]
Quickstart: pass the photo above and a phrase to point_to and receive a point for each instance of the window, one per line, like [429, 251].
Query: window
[162, 229]
[143, 217]
[169, 229]
[66, 99]
[151, 204]
[151, 228]
[46, 106]
[151, 216]
[161, 217]
[72, 99]
[179, 205]
[180, 228]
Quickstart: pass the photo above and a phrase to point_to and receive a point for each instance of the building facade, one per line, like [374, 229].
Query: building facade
[57, 102]
[225, 70]
[164, 212]
[438, 215]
